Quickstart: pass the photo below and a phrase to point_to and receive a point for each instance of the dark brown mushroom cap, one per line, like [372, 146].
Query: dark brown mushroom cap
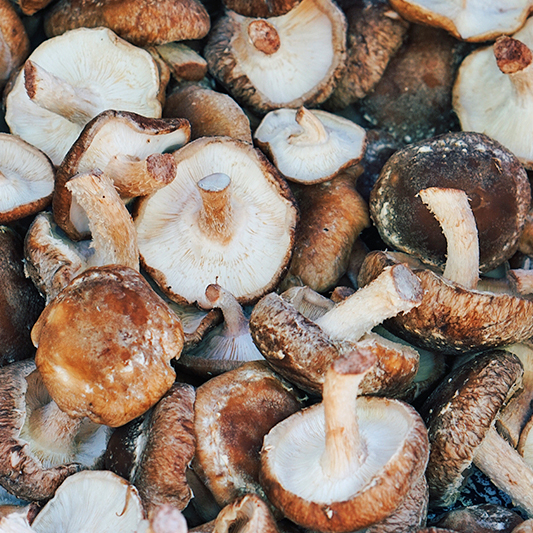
[142, 22]
[458, 415]
[21, 473]
[493, 178]
[261, 8]
[14, 41]
[233, 412]
[452, 319]
[105, 345]
[20, 302]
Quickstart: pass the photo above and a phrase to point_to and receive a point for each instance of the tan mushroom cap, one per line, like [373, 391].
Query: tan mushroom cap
[14, 41]
[286, 61]
[141, 22]
[498, 104]
[227, 218]
[130, 149]
[469, 20]
[26, 179]
[53, 124]
[334, 480]
[104, 346]
[310, 146]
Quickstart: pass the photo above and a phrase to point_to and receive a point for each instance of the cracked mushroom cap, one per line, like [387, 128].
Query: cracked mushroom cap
[495, 182]
[130, 149]
[468, 20]
[104, 346]
[52, 100]
[26, 179]
[286, 61]
[93, 500]
[14, 41]
[141, 22]
[346, 463]
[227, 218]
[491, 92]
[310, 146]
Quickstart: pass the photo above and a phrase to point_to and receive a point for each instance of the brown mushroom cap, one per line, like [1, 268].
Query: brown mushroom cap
[141, 22]
[495, 183]
[255, 58]
[104, 346]
[261, 8]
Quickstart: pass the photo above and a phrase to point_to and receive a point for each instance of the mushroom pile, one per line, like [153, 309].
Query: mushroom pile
[266, 266]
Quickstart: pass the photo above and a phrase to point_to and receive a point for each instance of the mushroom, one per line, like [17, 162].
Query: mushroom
[140, 22]
[51, 101]
[496, 184]
[110, 361]
[284, 61]
[310, 146]
[14, 41]
[131, 150]
[184, 63]
[39, 444]
[227, 218]
[460, 415]
[498, 75]
[233, 412]
[348, 462]
[261, 8]
[469, 20]
[92, 501]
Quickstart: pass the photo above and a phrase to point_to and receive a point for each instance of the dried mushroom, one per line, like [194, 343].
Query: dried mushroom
[14, 41]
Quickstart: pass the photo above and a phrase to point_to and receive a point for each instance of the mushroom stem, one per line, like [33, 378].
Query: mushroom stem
[216, 214]
[235, 323]
[264, 36]
[396, 290]
[313, 131]
[114, 238]
[513, 58]
[345, 451]
[139, 177]
[76, 104]
[454, 214]
[506, 468]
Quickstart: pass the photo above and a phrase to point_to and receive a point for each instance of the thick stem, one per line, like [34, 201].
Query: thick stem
[506, 469]
[216, 214]
[313, 131]
[78, 105]
[114, 237]
[264, 36]
[235, 323]
[139, 177]
[396, 290]
[513, 58]
[521, 280]
[454, 214]
[344, 451]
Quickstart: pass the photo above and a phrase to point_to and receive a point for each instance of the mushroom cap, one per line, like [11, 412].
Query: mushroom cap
[14, 41]
[124, 76]
[310, 161]
[180, 255]
[93, 500]
[291, 473]
[261, 8]
[491, 102]
[302, 71]
[496, 184]
[105, 345]
[109, 135]
[458, 415]
[26, 179]
[472, 20]
[141, 22]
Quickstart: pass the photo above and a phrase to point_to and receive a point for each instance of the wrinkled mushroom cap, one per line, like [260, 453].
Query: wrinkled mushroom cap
[125, 77]
[105, 345]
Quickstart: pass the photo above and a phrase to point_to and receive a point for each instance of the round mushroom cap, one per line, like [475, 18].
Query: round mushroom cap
[104, 346]
[472, 20]
[141, 22]
[26, 179]
[291, 471]
[286, 61]
[494, 103]
[121, 75]
[310, 149]
[244, 249]
[493, 178]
